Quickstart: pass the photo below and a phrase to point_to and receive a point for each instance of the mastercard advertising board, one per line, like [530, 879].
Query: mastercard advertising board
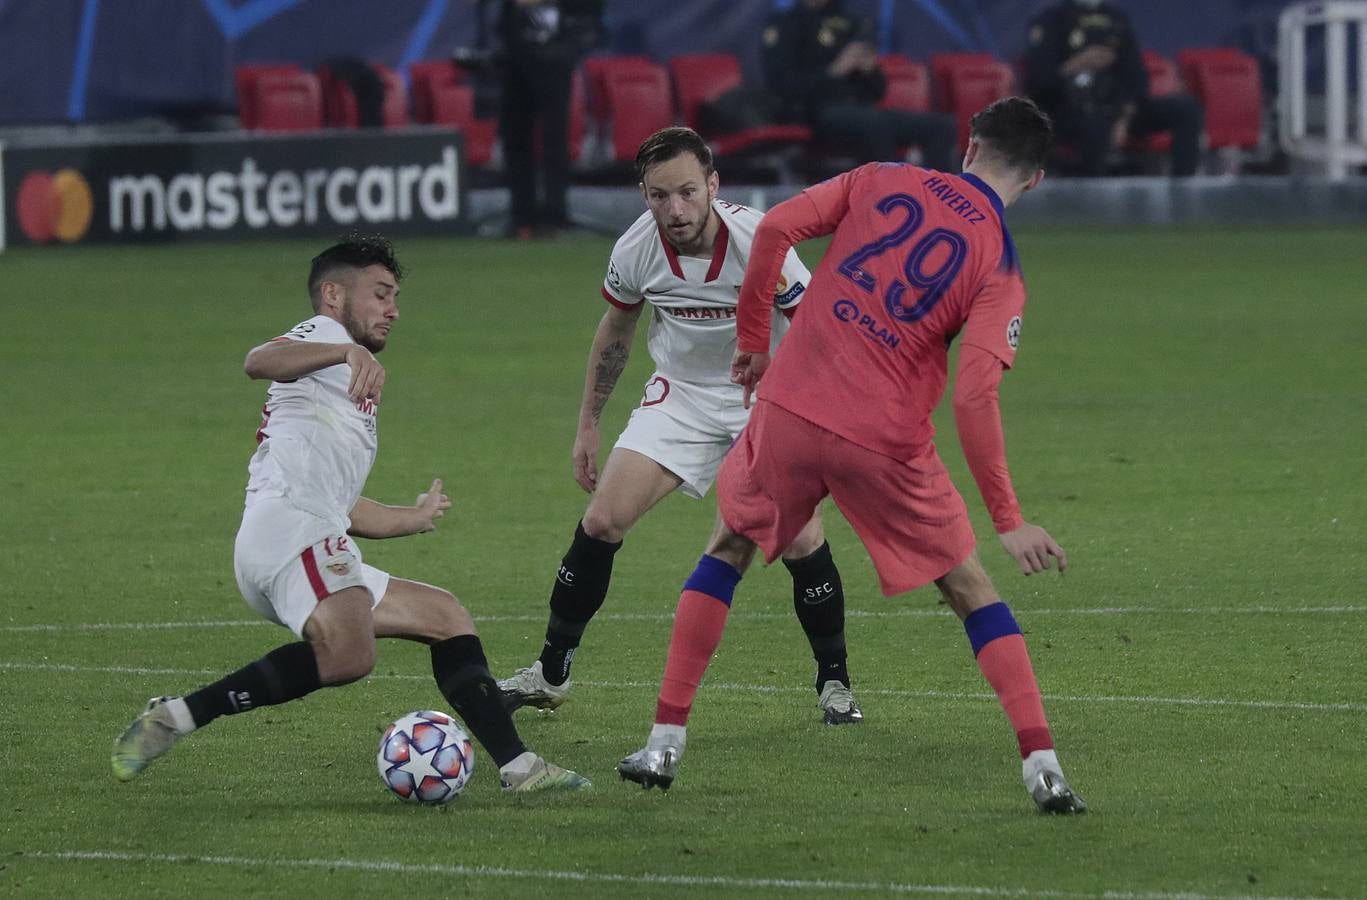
[196, 187]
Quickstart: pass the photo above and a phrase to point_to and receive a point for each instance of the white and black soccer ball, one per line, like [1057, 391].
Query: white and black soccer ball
[425, 757]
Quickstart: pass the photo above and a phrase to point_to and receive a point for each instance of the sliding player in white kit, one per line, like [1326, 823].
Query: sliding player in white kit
[295, 561]
[685, 256]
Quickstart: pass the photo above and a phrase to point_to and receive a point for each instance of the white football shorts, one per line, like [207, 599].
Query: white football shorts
[686, 428]
[287, 561]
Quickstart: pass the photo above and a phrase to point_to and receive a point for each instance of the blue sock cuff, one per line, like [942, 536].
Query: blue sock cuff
[714, 578]
[987, 624]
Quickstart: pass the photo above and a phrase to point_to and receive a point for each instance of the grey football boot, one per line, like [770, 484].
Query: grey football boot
[1052, 794]
[529, 687]
[653, 765]
[838, 705]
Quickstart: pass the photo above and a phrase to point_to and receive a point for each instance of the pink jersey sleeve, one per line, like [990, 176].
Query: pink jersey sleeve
[994, 320]
[977, 415]
[813, 213]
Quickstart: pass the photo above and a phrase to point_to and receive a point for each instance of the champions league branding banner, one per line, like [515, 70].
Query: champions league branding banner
[233, 186]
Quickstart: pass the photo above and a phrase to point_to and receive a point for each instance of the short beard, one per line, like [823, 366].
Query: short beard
[353, 328]
[695, 246]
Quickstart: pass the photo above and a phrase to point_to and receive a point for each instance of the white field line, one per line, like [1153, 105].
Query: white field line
[743, 615]
[392, 867]
[1211, 702]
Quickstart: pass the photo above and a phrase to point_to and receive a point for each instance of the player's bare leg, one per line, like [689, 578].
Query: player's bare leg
[1001, 654]
[630, 485]
[339, 648]
[698, 624]
[432, 616]
[819, 601]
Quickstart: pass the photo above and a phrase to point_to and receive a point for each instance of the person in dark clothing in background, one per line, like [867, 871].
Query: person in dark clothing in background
[823, 64]
[542, 42]
[1084, 68]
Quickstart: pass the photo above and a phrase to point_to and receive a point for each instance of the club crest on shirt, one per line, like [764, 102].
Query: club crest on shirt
[657, 389]
[1013, 332]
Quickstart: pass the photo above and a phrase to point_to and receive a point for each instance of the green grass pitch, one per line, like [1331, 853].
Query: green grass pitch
[1186, 417]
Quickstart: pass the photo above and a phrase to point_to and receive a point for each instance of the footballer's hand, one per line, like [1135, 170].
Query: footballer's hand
[367, 375]
[1031, 546]
[586, 458]
[430, 506]
[746, 370]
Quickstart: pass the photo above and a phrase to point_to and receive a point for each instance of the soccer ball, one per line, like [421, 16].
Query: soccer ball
[425, 757]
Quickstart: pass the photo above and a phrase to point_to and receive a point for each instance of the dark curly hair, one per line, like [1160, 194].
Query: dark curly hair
[356, 251]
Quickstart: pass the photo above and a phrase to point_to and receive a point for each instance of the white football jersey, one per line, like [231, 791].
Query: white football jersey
[315, 446]
[693, 326]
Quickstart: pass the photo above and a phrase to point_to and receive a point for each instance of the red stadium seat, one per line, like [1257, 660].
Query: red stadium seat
[1229, 87]
[636, 104]
[578, 115]
[966, 82]
[908, 83]
[442, 96]
[597, 68]
[702, 78]
[244, 78]
[426, 76]
[1164, 79]
[288, 101]
[1163, 82]
[453, 104]
[339, 101]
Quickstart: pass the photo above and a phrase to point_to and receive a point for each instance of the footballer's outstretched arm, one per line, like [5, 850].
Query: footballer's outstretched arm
[282, 359]
[370, 519]
[608, 355]
[977, 417]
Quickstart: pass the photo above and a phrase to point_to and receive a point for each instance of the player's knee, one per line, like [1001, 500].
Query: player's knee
[344, 660]
[967, 587]
[453, 618]
[601, 525]
[807, 542]
[732, 549]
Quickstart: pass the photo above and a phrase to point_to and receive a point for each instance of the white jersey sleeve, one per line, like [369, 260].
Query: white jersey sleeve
[622, 286]
[791, 283]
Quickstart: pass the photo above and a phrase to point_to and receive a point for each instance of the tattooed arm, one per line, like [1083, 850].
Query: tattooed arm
[607, 359]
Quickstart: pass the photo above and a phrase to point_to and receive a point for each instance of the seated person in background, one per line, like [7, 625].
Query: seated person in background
[822, 62]
[1083, 67]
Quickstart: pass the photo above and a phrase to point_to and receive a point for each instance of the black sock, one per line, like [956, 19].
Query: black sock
[286, 673]
[462, 673]
[819, 600]
[581, 585]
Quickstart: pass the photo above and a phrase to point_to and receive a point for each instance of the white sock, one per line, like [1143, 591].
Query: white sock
[1040, 759]
[180, 715]
[670, 735]
[521, 764]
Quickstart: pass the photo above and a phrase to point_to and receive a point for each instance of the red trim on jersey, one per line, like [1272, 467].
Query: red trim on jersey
[645, 398]
[311, 570]
[718, 251]
[615, 302]
[265, 417]
[670, 253]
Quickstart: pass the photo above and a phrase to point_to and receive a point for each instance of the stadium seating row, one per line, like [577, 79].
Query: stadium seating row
[630, 97]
